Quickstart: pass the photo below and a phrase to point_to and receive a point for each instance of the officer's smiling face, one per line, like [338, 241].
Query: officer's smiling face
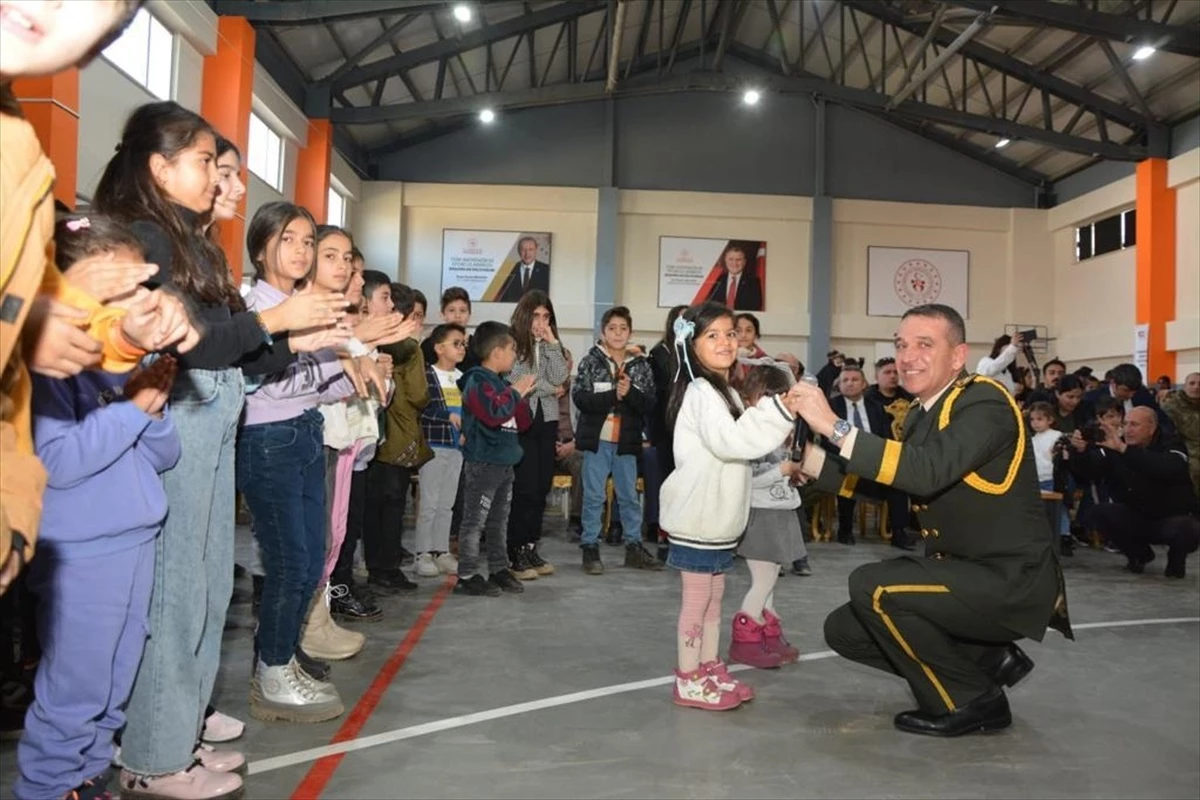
[926, 355]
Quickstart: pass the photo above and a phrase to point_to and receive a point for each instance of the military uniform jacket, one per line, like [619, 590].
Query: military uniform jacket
[968, 468]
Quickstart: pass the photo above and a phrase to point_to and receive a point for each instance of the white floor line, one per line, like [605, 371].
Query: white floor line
[437, 726]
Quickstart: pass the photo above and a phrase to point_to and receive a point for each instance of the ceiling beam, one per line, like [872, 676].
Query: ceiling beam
[480, 37]
[859, 98]
[388, 33]
[309, 12]
[1181, 39]
[1007, 64]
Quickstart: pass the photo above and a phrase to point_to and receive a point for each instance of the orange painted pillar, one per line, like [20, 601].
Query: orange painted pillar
[312, 169]
[228, 88]
[51, 105]
[1156, 263]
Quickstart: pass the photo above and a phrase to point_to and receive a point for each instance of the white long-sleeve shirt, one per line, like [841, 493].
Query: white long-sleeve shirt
[705, 502]
[1043, 453]
[997, 367]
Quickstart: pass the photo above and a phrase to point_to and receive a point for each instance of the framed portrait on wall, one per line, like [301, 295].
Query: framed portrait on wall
[495, 266]
[730, 271]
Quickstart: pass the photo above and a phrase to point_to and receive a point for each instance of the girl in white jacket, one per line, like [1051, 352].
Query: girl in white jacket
[705, 502]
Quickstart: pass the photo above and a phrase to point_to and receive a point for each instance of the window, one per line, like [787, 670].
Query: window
[265, 158]
[145, 53]
[1106, 235]
[336, 214]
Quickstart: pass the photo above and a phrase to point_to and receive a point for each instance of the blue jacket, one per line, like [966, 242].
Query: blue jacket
[493, 414]
[103, 456]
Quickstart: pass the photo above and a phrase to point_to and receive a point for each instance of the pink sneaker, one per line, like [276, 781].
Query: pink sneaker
[193, 783]
[774, 640]
[697, 690]
[220, 728]
[215, 760]
[748, 645]
[725, 681]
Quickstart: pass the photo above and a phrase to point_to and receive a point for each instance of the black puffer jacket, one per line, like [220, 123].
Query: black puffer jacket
[595, 395]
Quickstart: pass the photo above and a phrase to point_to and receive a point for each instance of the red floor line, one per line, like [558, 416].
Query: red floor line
[322, 771]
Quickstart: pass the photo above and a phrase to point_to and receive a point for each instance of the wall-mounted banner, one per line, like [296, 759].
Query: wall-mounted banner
[729, 271]
[899, 278]
[1141, 349]
[495, 266]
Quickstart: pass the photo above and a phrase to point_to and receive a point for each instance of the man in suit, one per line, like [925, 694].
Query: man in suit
[868, 415]
[528, 274]
[737, 288]
[946, 622]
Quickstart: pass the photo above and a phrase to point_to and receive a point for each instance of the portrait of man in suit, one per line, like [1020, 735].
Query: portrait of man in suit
[739, 286]
[528, 274]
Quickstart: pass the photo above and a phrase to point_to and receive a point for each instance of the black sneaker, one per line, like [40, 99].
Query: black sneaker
[1137, 565]
[1066, 546]
[506, 581]
[407, 559]
[520, 566]
[314, 668]
[591, 560]
[476, 586]
[638, 557]
[800, 567]
[391, 582]
[346, 605]
[94, 789]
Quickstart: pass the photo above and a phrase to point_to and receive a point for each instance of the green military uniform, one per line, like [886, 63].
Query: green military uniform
[990, 574]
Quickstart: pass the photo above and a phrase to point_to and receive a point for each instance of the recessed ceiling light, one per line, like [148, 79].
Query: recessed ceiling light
[1142, 53]
[462, 12]
[751, 97]
[1003, 143]
[487, 115]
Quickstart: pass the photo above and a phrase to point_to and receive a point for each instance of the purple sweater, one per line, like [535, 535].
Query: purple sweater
[103, 456]
[310, 380]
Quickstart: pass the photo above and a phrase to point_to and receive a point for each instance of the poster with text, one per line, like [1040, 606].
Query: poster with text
[899, 278]
[495, 266]
[729, 271]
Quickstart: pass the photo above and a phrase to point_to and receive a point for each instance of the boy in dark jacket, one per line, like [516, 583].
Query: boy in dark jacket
[493, 414]
[613, 390]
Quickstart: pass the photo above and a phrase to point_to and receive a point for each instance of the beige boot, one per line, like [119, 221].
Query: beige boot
[323, 638]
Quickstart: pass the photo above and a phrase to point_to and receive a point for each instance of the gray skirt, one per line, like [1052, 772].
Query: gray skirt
[773, 534]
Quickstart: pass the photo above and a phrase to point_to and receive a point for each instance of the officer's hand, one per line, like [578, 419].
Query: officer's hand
[809, 401]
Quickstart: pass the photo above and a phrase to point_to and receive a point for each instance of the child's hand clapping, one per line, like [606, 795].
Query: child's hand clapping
[149, 388]
[524, 384]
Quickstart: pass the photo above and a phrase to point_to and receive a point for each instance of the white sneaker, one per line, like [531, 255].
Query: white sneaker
[220, 728]
[447, 564]
[426, 568]
[285, 694]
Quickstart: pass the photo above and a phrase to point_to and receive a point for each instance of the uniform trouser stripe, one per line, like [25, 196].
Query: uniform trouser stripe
[877, 596]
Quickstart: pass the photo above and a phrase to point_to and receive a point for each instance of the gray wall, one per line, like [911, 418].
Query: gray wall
[1184, 137]
[703, 141]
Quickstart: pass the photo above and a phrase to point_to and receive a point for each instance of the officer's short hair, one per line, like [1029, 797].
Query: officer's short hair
[958, 328]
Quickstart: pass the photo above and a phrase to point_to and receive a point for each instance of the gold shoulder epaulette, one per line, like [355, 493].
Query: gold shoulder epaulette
[965, 380]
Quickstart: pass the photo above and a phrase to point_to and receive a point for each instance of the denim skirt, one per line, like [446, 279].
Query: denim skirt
[693, 559]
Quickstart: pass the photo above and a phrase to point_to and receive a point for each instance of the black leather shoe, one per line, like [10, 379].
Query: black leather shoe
[391, 582]
[985, 714]
[346, 606]
[1009, 667]
[901, 540]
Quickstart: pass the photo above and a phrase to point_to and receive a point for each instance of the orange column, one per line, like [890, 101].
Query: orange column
[1156, 262]
[228, 88]
[312, 169]
[51, 105]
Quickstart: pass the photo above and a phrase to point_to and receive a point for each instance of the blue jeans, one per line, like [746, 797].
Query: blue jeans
[597, 467]
[193, 577]
[92, 633]
[1064, 521]
[281, 473]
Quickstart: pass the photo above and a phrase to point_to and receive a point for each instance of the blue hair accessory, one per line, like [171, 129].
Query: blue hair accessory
[684, 329]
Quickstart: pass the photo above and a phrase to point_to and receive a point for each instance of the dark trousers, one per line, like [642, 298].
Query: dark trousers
[343, 571]
[902, 619]
[387, 496]
[532, 480]
[897, 506]
[1133, 533]
[487, 492]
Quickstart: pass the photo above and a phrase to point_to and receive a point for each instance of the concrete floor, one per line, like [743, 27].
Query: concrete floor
[563, 692]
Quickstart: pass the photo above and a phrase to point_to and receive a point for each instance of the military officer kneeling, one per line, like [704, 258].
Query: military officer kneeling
[946, 622]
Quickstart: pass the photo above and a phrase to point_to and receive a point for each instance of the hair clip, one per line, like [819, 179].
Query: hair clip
[684, 329]
[77, 225]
